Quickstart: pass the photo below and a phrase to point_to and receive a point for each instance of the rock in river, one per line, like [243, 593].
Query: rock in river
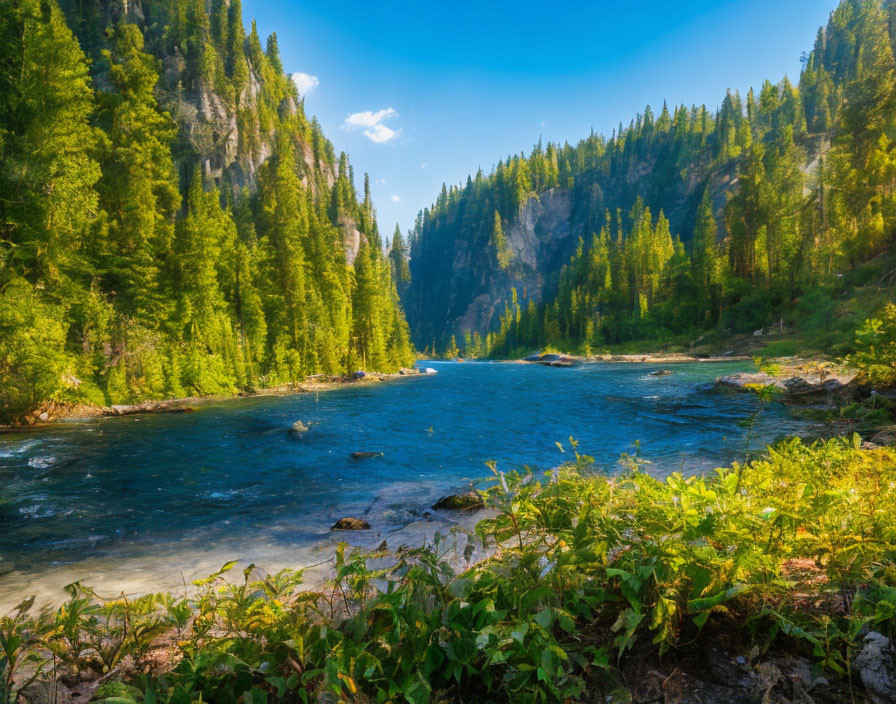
[460, 502]
[350, 524]
[365, 455]
[661, 372]
[554, 360]
[298, 428]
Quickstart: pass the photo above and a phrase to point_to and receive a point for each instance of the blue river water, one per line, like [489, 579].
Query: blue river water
[85, 499]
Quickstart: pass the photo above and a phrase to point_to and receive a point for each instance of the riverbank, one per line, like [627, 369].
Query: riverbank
[51, 411]
[653, 358]
[618, 587]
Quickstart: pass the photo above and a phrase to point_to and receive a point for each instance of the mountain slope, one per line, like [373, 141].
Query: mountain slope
[172, 222]
[682, 221]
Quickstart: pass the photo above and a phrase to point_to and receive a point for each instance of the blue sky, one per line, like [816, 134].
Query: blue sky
[421, 93]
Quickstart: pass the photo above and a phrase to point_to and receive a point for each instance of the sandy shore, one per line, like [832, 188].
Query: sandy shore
[170, 568]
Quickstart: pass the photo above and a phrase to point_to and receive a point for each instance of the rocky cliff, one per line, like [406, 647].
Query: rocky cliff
[225, 93]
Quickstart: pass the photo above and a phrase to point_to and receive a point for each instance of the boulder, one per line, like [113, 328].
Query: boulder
[746, 381]
[365, 455]
[350, 524]
[876, 665]
[553, 360]
[298, 428]
[468, 501]
[886, 436]
[661, 372]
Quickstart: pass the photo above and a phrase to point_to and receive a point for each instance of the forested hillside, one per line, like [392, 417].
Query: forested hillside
[172, 222]
[683, 221]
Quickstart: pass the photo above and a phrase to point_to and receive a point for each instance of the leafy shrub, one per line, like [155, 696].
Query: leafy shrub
[876, 348]
[795, 549]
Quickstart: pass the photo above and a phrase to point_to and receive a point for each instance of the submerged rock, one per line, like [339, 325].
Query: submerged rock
[876, 665]
[298, 429]
[351, 524]
[365, 455]
[468, 501]
[661, 372]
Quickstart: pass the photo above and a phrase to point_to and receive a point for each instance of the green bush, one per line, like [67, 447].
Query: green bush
[584, 570]
[875, 356]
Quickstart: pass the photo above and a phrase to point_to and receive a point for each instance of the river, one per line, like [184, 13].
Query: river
[153, 501]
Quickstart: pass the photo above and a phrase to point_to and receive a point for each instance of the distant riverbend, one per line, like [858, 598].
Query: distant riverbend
[151, 501]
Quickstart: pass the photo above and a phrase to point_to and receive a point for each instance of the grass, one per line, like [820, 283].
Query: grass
[794, 550]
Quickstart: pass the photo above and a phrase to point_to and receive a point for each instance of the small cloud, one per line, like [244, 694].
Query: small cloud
[304, 82]
[371, 123]
[396, 198]
[381, 181]
[424, 164]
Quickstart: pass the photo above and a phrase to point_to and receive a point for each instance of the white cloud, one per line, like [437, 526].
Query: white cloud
[424, 164]
[381, 180]
[304, 82]
[396, 198]
[371, 123]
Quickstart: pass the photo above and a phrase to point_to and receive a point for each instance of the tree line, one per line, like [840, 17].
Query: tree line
[127, 271]
[691, 220]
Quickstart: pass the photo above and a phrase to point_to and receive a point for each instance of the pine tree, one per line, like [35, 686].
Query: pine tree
[47, 169]
[138, 188]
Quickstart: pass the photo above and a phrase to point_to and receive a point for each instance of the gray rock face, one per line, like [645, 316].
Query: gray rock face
[462, 287]
[876, 665]
[539, 238]
[216, 131]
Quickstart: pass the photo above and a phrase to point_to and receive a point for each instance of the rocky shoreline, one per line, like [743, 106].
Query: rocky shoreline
[51, 411]
[797, 382]
[568, 360]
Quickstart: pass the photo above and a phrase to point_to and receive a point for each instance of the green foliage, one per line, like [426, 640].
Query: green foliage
[581, 571]
[778, 199]
[876, 348]
[131, 268]
[768, 367]
[31, 339]
[499, 246]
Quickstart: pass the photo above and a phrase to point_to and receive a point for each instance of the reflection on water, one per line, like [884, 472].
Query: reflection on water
[148, 497]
